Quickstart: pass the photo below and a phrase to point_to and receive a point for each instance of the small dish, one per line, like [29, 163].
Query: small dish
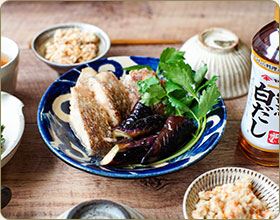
[225, 55]
[13, 120]
[264, 188]
[38, 43]
[130, 211]
[9, 71]
[53, 123]
[98, 209]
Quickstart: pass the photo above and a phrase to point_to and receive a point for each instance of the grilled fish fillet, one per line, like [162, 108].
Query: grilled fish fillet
[109, 92]
[90, 122]
[85, 75]
[98, 102]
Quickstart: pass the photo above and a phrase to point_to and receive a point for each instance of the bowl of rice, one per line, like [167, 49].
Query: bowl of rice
[231, 193]
[69, 45]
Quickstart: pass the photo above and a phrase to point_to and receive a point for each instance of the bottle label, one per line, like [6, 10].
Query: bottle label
[260, 122]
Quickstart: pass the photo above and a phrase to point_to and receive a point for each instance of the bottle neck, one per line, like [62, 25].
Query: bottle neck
[266, 42]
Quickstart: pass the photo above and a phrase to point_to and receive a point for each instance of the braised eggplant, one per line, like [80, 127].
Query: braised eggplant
[143, 126]
[128, 151]
[139, 111]
[176, 131]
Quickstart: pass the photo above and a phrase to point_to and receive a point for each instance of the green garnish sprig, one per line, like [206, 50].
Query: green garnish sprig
[182, 87]
[183, 93]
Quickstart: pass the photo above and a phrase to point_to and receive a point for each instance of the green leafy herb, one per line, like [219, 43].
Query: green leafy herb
[170, 55]
[209, 82]
[182, 87]
[199, 75]
[152, 91]
[144, 86]
[185, 93]
[208, 98]
[171, 87]
[181, 74]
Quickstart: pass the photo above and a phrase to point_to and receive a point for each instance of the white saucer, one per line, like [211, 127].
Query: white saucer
[13, 120]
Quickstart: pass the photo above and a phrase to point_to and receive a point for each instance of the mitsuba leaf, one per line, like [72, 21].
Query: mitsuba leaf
[147, 83]
[170, 87]
[157, 90]
[187, 100]
[184, 92]
[153, 95]
[209, 82]
[148, 100]
[199, 75]
[169, 109]
[179, 94]
[181, 74]
[170, 55]
[194, 108]
[180, 107]
[208, 98]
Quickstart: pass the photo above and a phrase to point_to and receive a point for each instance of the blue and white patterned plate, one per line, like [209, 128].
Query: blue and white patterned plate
[53, 123]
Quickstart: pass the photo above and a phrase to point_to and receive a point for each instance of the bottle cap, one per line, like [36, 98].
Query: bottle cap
[276, 15]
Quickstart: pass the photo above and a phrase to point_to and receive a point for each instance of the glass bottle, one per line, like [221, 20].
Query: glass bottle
[259, 134]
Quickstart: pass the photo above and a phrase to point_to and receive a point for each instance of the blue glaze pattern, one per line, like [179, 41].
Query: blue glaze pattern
[53, 123]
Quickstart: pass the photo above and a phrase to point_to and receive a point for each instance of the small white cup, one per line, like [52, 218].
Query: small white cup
[9, 71]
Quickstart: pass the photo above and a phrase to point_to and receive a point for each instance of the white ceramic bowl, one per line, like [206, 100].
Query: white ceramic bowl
[264, 188]
[225, 55]
[13, 120]
[9, 71]
[38, 43]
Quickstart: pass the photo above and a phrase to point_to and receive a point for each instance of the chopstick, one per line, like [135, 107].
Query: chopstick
[143, 41]
[137, 41]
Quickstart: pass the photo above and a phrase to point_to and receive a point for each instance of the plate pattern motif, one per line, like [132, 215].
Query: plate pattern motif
[53, 123]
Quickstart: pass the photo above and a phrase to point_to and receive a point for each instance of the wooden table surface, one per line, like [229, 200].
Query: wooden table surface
[43, 186]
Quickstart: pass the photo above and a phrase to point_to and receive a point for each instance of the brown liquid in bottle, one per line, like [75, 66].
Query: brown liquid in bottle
[256, 155]
[266, 50]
